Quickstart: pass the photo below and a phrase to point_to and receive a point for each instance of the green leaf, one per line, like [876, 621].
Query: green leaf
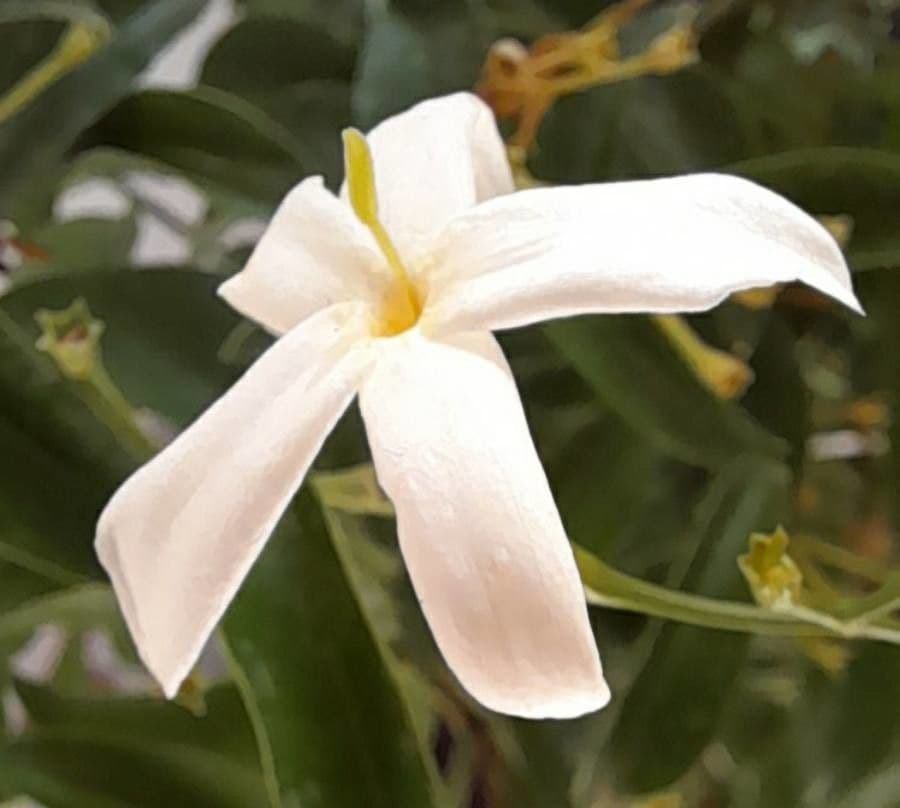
[34, 142]
[674, 705]
[408, 57]
[40, 601]
[65, 10]
[73, 244]
[864, 183]
[803, 726]
[59, 463]
[778, 398]
[133, 752]
[862, 730]
[644, 127]
[538, 761]
[118, 10]
[604, 476]
[18, 585]
[31, 29]
[839, 103]
[879, 292]
[264, 53]
[25, 43]
[330, 723]
[76, 608]
[880, 788]
[634, 372]
[299, 74]
[209, 135]
[164, 330]
[355, 512]
[343, 19]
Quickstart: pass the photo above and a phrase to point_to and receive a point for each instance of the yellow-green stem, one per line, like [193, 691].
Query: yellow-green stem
[75, 46]
[110, 406]
[608, 587]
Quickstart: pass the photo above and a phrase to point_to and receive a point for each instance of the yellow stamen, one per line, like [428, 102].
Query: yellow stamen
[402, 306]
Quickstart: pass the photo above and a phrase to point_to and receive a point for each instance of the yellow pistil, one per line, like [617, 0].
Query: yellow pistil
[402, 306]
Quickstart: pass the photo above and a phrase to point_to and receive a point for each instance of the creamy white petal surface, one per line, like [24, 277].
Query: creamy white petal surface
[315, 253]
[181, 533]
[478, 528]
[435, 161]
[669, 245]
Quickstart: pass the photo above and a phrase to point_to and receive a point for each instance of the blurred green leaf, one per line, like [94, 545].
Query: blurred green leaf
[73, 244]
[880, 292]
[538, 757]
[332, 728]
[33, 143]
[881, 788]
[59, 463]
[375, 571]
[132, 752]
[18, 585]
[342, 18]
[675, 703]
[632, 370]
[40, 602]
[642, 128]
[814, 102]
[864, 183]
[861, 734]
[65, 10]
[605, 479]
[413, 54]
[25, 43]
[778, 398]
[164, 330]
[262, 53]
[792, 725]
[299, 74]
[209, 135]
[119, 10]
[75, 608]
[604, 475]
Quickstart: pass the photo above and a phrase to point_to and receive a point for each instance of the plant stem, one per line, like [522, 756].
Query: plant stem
[841, 559]
[110, 406]
[608, 587]
[75, 46]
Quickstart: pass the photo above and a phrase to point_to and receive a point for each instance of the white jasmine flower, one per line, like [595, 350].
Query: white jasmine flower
[391, 293]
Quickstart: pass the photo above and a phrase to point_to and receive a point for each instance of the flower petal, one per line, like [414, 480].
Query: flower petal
[181, 533]
[478, 528]
[679, 244]
[432, 162]
[315, 253]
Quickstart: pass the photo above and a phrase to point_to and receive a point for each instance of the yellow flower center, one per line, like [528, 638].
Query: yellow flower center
[402, 304]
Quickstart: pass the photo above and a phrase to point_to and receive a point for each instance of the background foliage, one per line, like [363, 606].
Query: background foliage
[324, 687]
